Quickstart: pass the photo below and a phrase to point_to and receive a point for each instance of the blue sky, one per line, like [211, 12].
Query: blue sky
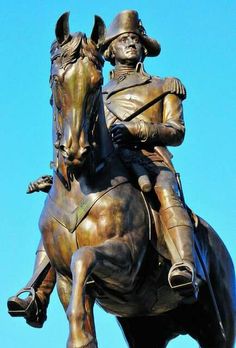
[198, 40]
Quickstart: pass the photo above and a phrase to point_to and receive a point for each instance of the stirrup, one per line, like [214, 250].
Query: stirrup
[187, 289]
[22, 312]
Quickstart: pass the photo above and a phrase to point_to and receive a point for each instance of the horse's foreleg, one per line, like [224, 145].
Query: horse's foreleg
[80, 309]
[109, 258]
[64, 286]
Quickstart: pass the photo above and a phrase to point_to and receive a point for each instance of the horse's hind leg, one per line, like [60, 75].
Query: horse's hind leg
[108, 258]
[144, 332]
[203, 325]
[210, 334]
[212, 338]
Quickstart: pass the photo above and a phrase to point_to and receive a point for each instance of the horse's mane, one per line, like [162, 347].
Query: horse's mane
[76, 46]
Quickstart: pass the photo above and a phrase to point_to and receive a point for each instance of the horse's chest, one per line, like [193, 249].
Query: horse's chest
[59, 243]
[90, 223]
[102, 223]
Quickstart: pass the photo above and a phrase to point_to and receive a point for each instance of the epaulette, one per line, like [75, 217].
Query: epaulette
[174, 86]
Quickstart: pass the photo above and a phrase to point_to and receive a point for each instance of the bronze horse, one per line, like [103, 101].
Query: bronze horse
[96, 225]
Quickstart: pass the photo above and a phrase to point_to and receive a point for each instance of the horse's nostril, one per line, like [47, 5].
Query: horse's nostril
[85, 151]
[63, 148]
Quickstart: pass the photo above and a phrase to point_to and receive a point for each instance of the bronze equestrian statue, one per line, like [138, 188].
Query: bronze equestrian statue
[114, 225]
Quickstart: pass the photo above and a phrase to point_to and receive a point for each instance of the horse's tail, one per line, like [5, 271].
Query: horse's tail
[222, 277]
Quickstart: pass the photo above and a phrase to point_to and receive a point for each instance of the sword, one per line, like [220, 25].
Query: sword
[197, 248]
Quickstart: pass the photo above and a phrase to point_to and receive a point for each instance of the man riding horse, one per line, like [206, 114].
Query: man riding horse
[144, 114]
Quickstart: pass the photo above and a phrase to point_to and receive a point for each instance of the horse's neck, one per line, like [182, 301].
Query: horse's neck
[104, 146]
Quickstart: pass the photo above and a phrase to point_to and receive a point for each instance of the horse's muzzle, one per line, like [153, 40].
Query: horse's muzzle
[75, 159]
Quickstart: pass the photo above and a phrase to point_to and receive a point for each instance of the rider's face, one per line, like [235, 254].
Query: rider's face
[127, 49]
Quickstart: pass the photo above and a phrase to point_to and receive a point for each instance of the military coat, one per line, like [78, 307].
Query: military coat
[129, 93]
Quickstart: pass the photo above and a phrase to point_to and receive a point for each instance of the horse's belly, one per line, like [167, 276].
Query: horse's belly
[147, 302]
[148, 294]
[128, 306]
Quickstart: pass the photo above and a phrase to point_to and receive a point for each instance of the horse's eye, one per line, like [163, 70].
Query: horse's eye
[55, 80]
[59, 135]
[51, 100]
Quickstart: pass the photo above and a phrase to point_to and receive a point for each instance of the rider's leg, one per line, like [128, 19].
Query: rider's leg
[178, 230]
[34, 309]
[45, 287]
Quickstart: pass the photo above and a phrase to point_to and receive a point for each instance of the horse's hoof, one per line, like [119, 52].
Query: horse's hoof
[90, 344]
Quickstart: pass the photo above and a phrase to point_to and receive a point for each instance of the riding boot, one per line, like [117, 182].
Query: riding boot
[34, 307]
[46, 285]
[178, 234]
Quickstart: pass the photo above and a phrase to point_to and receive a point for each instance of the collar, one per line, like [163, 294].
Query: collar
[116, 74]
[137, 77]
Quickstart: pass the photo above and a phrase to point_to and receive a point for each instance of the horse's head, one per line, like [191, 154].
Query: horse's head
[76, 79]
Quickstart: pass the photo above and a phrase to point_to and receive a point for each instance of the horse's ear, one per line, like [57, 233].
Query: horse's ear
[98, 32]
[62, 28]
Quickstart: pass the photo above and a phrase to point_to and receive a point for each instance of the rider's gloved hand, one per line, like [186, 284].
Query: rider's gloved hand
[125, 132]
[43, 184]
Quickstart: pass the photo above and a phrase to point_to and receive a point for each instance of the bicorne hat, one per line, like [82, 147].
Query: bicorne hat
[128, 22]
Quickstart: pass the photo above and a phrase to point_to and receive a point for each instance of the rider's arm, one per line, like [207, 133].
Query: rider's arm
[171, 131]
[168, 132]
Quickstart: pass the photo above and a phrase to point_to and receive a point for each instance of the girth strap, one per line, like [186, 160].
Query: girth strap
[72, 219]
